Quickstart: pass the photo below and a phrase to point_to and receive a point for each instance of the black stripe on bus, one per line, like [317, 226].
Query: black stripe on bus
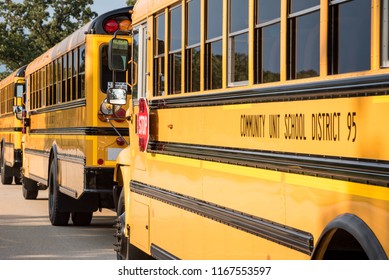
[341, 88]
[160, 254]
[59, 107]
[99, 131]
[347, 169]
[281, 234]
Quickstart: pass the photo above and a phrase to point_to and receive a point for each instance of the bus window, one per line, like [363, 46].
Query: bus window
[214, 45]
[54, 93]
[49, 85]
[159, 55]
[81, 67]
[238, 58]
[385, 33]
[192, 53]
[69, 77]
[64, 77]
[175, 59]
[59, 80]
[267, 41]
[139, 80]
[304, 39]
[74, 74]
[349, 39]
[19, 90]
[106, 74]
[135, 56]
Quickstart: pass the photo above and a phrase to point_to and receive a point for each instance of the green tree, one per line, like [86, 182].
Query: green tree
[4, 74]
[30, 28]
[131, 2]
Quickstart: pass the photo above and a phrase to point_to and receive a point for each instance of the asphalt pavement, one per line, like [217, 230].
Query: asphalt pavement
[26, 232]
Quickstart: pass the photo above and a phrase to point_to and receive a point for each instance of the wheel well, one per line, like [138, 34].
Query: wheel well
[347, 237]
[118, 186]
[344, 246]
[119, 178]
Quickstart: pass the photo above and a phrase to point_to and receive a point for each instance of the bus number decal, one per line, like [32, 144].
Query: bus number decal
[352, 126]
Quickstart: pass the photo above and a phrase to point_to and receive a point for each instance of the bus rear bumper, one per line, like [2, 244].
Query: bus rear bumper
[99, 184]
[97, 193]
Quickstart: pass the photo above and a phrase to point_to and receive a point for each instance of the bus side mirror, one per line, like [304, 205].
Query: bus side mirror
[19, 90]
[18, 111]
[118, 55]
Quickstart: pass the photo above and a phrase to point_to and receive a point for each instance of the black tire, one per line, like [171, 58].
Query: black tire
[82, 218]
[18, 179]
[56, 217]
[6, 179]
[124, 249]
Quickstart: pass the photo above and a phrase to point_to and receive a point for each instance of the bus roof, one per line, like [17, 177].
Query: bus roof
[11, 78]
[143, 8]
[75, 39]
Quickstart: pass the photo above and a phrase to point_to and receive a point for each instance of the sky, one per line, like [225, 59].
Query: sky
[102, 6]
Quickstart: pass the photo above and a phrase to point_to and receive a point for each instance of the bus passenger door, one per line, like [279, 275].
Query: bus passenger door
[139, 206]
[139, 91]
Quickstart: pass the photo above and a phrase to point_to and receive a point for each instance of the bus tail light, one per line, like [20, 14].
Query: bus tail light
[114, 24]
[125, 25]
[100, 161]
[120, 115]
[111, 26]
[120, 141]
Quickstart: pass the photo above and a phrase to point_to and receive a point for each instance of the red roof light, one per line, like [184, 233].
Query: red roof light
[111, 26]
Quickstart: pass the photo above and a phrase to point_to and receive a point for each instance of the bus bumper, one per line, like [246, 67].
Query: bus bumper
[99, 184]
[97, 193]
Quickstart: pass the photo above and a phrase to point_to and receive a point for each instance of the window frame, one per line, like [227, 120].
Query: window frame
[159, 57]
[291, 67]
[189, 50]
[334, 57]
[385, 33]
[208, 55]
[259, 46]
[173, 79]
[231, 52]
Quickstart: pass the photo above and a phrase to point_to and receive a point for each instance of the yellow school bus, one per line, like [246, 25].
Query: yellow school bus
[257, 131]
[70, 147]
[11, 107]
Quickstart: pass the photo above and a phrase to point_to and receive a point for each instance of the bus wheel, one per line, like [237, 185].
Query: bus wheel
[122, 244]
[82, 218]
[56, 217]
[5, 171]
[18, 179]
[124, 249]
